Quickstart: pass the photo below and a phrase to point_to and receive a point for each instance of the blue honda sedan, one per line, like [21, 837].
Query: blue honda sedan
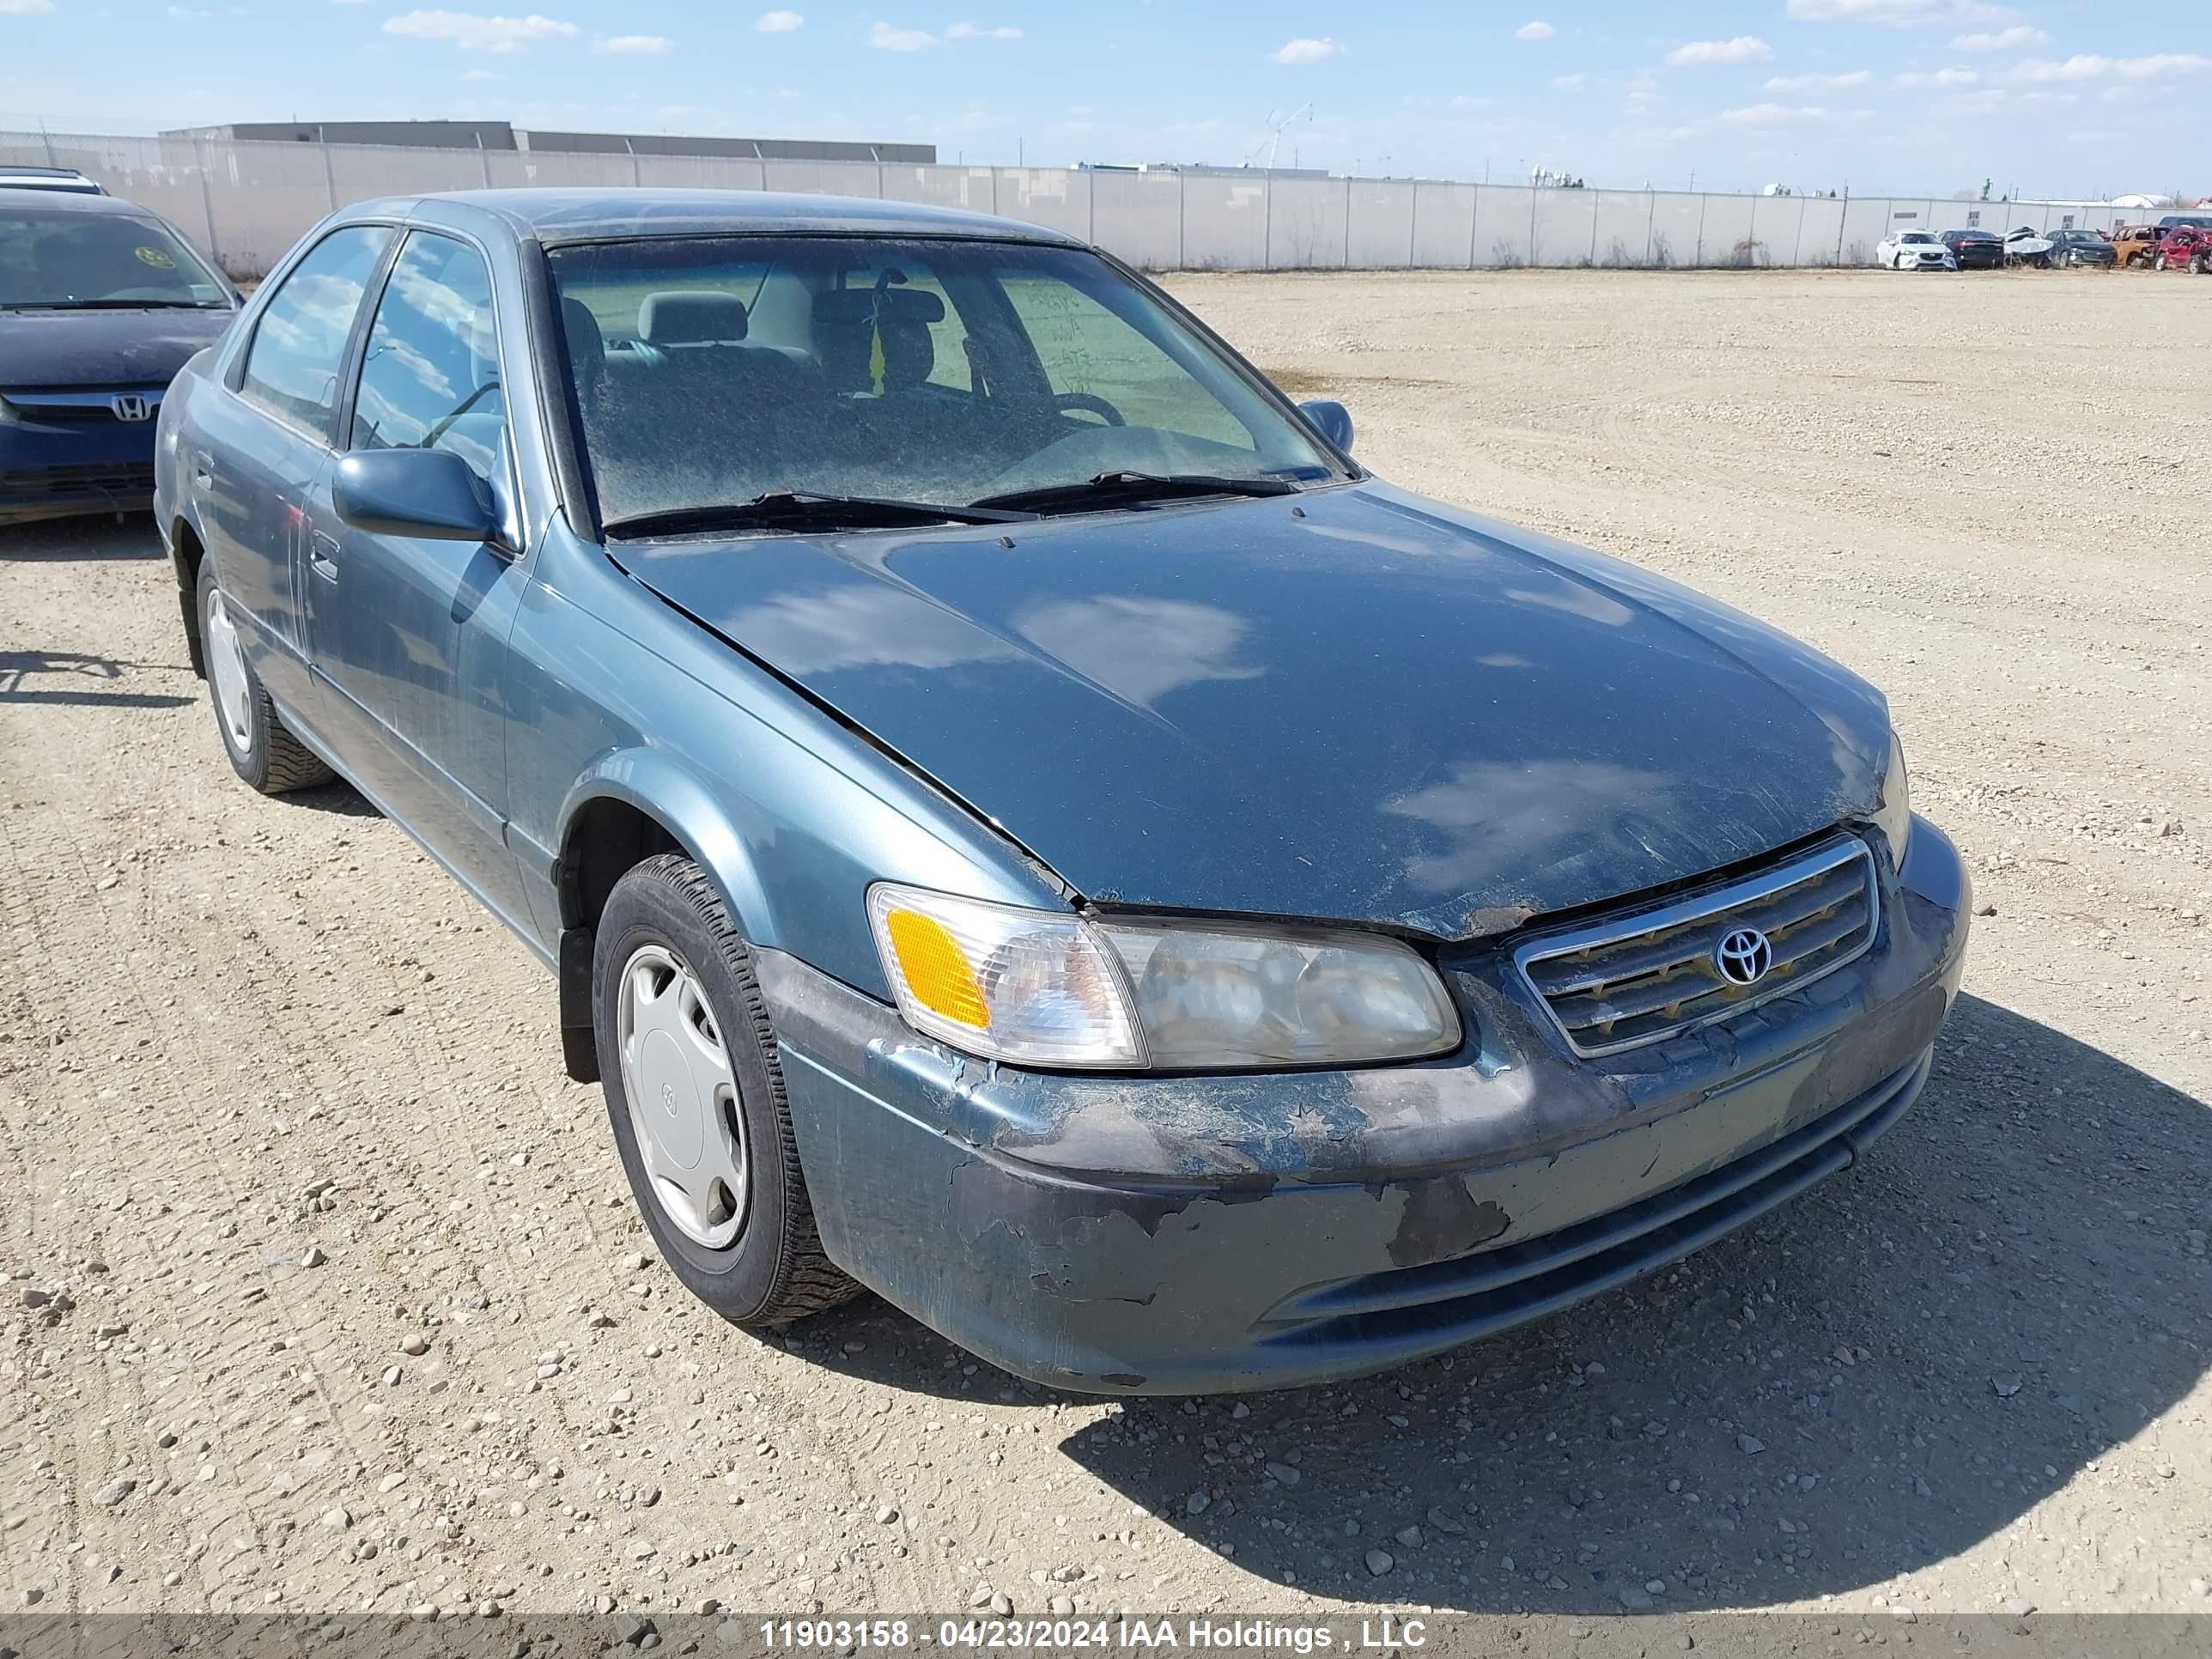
[1017, 816]
[100, 302]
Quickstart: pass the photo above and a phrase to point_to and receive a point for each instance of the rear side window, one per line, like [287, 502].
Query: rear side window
[431, 379]
[299, 346]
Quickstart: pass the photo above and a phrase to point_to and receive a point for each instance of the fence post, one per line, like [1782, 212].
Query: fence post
[47, 138]
[1090, 203]
[1593, 252]
[330, 173]
[1697, 261]
[637, 178]
[994, 190]
[483, 161]
[1651, 215]
[1413, 228]
[207, 202]
[1473, 218]
[1267, 220]
[1183, 211]
[1842, 219]
[1532, 227]
[1346, 261]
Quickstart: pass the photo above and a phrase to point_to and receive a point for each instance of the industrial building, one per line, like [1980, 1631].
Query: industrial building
[499, 135]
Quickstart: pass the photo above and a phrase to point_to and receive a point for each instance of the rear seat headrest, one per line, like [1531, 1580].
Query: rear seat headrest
[691, 316]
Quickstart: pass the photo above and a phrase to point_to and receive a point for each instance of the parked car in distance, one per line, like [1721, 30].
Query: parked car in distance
[2136, 246]
[2027, 245]
[1017, 818]
[2186, 247]
[1975, 250]
[2194, 221]
[1915, 250]
[2075, 247]
[100, 303]
[66, 179]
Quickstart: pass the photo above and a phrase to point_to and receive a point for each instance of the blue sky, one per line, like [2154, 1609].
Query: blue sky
[2064, 97]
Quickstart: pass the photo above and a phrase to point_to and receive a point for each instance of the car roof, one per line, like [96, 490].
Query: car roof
[556, 216]
[70, 201]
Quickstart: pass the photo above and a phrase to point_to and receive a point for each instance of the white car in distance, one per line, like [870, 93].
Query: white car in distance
[1915, 250]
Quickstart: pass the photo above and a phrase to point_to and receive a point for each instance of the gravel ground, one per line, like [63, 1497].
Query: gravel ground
[327, 1294]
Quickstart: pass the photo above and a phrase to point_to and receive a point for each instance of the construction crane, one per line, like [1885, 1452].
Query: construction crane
[1275, 125]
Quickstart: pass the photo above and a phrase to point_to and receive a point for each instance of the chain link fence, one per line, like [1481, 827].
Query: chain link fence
[245, 203]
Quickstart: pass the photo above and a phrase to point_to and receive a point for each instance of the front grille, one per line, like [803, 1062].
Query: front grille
[70, 484]
[1629, 980]
[77, 407]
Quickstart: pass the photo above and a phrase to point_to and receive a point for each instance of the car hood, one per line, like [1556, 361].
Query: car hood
[103, 347]
[1359, 705]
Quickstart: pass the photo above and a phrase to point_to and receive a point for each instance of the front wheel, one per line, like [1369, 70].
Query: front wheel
[696, 1098]
[262, 750]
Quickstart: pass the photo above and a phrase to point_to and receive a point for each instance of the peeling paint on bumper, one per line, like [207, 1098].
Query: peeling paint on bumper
[1205, 1235]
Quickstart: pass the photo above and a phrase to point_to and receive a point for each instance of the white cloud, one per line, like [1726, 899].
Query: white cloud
[779, 22]
[2090, 67]
[885, 38]
[1901, 14]
[1945, 77]
[2003, 40]
[473, 32]
[1774, 115]
[27, 5]
[1813, 82]
[629, 44]
[1535, 30]
[1744, 49]
[1305, 50]
[969, 32]
[1567, 82]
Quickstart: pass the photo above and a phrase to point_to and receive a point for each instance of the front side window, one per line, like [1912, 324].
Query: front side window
[298, 352]
[430, 377]
[56, 259]
[710, 371]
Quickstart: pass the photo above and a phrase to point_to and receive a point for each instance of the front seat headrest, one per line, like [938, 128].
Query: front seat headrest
[691, 316]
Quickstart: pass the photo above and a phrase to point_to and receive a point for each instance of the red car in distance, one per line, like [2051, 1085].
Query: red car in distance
[2187, 248]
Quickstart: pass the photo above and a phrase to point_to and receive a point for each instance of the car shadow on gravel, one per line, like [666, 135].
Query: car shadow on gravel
[77, 540]
[1871, 1380]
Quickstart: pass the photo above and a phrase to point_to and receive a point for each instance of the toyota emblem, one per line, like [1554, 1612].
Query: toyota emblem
[1743, 956]
[130, 406]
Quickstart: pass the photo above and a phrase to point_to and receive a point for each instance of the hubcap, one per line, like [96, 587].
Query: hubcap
[682, 1098]
[226, 661]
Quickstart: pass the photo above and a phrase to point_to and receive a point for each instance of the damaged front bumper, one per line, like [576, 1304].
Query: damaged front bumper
[1202, 1235]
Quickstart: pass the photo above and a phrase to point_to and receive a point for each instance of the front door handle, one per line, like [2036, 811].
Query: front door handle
[203, 471]
[323, 554]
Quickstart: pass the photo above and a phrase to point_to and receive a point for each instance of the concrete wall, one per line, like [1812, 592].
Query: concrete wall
[247, 202]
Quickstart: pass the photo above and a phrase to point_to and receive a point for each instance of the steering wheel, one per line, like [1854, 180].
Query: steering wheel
[1091, 405]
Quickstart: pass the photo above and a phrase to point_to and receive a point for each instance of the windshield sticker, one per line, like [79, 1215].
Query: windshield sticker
[156, 258]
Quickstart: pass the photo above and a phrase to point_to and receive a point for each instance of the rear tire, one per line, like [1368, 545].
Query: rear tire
[263, 751]
[683, 1035]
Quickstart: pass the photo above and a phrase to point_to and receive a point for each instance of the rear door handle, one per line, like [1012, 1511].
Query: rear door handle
[203, 471]
[322, 554]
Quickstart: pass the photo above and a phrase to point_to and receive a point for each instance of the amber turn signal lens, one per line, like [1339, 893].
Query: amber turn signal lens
[936, 974]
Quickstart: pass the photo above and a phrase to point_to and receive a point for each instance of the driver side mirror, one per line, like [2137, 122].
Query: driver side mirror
[1333, 419]
[430, 493]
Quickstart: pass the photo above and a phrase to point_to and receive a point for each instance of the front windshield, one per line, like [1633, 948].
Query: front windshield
[710, 371]
[57, 259]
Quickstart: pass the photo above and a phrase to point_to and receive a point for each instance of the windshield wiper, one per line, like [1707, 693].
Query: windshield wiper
[1122, 488]
[798, 509]
[113, 305]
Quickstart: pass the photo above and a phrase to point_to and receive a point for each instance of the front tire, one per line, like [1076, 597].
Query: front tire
[263, 751]
[696, 1098]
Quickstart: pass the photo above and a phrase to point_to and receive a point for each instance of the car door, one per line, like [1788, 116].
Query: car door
[408, 634]
[259, 448]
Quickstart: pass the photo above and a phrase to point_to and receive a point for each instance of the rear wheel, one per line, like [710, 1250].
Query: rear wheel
[263, 750]
[696, 1098]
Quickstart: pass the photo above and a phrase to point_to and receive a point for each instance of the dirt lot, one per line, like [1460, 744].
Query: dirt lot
[239, 1036]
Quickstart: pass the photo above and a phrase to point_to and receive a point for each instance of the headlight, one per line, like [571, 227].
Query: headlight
[1043, 988]
[1893, 815]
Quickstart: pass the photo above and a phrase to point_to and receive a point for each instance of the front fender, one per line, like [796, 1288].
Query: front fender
[702, 818]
